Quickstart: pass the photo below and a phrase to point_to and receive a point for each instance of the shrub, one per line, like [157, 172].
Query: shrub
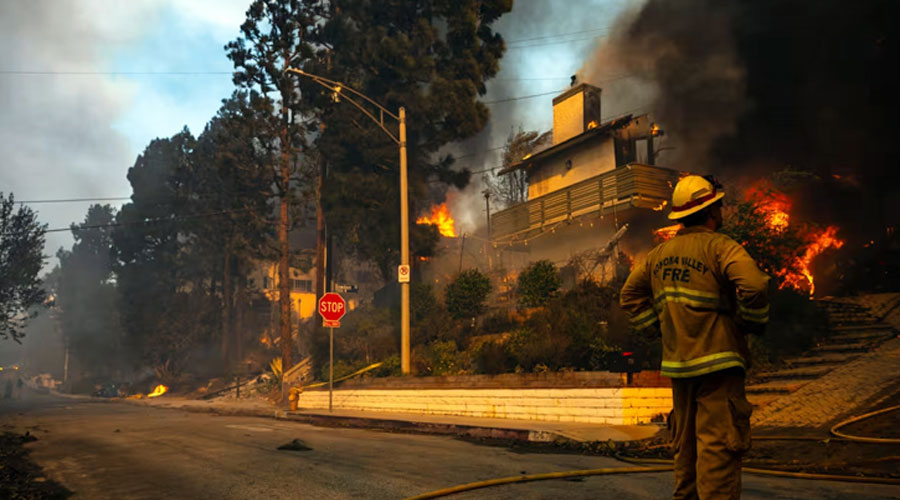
[498, 322]
[441, 358]
[493, 358]
[534, 346]
[538, 284]
[466, 295]
[430, 321]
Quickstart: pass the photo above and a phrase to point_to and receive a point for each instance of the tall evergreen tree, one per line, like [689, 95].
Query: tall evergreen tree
[276, 35]
[232, 174]
[86, 295]
[164, 314]
[21, 258]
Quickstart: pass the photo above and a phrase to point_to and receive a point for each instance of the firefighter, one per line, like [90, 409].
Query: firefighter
[705, 293]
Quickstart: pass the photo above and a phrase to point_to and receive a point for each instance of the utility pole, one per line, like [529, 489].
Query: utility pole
[320, 246]
[488, 244]
[404, 248]
[462, 246]
[284, 276]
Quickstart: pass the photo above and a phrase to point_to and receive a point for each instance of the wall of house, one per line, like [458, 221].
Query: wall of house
[574, 165]
[264, 278]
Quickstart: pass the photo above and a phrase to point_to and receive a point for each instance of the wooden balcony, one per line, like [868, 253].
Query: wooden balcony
[630, 186]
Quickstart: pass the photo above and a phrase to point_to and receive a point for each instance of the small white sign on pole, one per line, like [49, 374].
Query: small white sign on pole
[403, 274]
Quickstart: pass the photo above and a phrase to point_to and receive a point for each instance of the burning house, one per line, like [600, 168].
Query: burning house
[594, 181]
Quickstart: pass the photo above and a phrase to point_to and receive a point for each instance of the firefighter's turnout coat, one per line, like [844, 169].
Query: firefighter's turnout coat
[706, 292]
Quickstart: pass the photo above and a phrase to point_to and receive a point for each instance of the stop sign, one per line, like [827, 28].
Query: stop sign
[332, 307]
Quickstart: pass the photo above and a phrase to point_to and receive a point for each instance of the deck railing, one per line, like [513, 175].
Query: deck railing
[634, 185]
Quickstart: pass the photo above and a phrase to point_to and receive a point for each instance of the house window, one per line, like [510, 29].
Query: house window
[643, 151]
[301, 285]
[267, 283]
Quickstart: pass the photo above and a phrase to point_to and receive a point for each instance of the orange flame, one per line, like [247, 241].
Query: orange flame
[820, 241]
[776, 206]
[666, 233]
[159, 390]
[440, 217]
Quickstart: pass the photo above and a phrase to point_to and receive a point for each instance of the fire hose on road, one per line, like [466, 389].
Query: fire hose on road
[665, 465]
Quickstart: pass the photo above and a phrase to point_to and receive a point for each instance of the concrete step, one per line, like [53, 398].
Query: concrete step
[776, 387]
[821, 360]
[854, 320]
[862, 336]
[794, 373]
[761, 399]
[875, 327]
[842, 348]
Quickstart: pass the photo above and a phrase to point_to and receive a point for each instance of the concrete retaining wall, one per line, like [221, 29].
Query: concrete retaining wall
[609, 405]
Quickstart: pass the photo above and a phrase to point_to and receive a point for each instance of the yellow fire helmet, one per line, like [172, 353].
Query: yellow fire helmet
[694, 193]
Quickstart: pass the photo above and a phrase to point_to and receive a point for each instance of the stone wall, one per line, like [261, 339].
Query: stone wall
[608, 401]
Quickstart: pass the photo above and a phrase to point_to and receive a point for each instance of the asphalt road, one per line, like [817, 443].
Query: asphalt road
[120, 451]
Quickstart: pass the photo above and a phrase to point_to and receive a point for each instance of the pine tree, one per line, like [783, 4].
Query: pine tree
[276, 35]
[21, 258]
[86, 294]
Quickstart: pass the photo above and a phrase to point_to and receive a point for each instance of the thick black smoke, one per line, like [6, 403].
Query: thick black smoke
[745, 88]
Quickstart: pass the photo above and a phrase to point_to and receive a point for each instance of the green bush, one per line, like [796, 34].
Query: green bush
[576, 331]
[538, 284]
[466, 295]
[441, 358]
[534, 346]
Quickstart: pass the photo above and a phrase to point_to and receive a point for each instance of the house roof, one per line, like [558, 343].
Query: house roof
[601, 130]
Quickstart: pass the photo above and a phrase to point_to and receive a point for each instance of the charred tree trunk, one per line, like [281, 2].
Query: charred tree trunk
[284, 278]
[320, 259]
[238, 326]
[227, 354]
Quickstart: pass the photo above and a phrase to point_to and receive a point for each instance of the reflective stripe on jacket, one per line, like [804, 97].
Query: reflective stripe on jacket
[706, 292]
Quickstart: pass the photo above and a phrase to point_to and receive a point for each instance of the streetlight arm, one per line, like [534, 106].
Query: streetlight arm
[338, 87]
[370, 115]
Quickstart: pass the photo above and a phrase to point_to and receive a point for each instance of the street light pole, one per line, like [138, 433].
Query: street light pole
[404, 248]
[338, 89]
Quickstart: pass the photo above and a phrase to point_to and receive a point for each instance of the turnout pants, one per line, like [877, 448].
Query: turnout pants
[710, 426]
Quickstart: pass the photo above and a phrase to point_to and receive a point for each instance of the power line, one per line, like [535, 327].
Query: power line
[136, 223]
[557, 35]
[582, 39]
[113, 73]
[510, 99]
[74, 200]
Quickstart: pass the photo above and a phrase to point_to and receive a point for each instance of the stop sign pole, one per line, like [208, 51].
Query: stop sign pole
[332, 307]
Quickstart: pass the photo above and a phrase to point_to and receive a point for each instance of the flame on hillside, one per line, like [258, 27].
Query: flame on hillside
[777, 206]
[159, 390]
[440, 217]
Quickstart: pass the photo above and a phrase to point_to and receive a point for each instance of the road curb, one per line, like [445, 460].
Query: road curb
[437, 428]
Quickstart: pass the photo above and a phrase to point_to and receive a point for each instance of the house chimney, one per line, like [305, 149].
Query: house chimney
[575, 111]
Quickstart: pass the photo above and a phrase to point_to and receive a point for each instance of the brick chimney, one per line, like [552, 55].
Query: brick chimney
[575, 111]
